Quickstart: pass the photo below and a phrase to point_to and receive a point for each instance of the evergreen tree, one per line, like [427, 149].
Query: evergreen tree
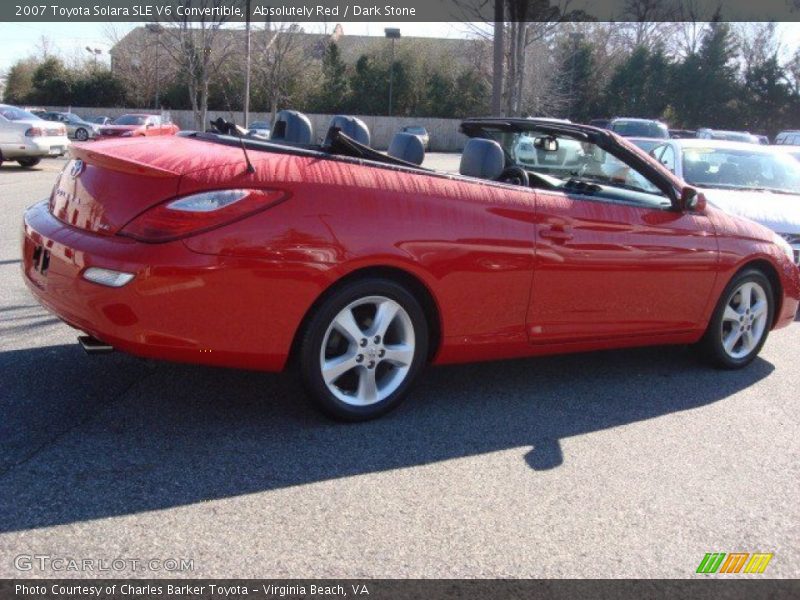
[19, 82]
[332, 96]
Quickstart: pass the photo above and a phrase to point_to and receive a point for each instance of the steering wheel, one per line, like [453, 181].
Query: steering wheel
[515, 175]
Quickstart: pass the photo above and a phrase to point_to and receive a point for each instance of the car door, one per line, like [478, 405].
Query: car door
[618, 264]
[7, 133]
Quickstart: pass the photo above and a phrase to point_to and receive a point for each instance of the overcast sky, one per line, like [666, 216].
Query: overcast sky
[19, 40]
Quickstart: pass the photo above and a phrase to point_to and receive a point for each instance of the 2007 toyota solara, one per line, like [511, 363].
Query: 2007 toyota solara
[360, 267]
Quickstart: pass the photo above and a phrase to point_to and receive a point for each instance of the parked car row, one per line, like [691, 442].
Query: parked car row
[27, 136]
[652, 128]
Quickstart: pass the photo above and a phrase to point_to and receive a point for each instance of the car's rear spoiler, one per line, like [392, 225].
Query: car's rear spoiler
[107, 160]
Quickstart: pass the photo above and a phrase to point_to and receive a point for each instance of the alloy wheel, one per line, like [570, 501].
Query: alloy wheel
[744, 321]
[367, 351]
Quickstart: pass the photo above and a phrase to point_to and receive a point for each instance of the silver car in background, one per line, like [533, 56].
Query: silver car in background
[421, 133]
[26, 139]
[759, 182]
[77, 128]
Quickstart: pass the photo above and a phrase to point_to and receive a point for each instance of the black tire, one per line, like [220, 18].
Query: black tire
[81, 134]
[319, 330]
[711, 346]
[27, 163]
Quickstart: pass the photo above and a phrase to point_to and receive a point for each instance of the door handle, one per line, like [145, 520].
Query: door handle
[558, 234]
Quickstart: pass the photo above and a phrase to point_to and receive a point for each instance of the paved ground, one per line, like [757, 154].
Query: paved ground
[612, 464]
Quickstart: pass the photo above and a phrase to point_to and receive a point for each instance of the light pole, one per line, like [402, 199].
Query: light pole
[576, 38]
[392, 33]
[156, 29]
[94, 52]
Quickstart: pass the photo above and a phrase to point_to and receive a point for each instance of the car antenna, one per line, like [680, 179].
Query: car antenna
[230, 128]
[250, 167]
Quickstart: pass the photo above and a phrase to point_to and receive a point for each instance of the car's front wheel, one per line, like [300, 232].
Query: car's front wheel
[741, 321]
[28, 162]
[362, 349]
[81, 134]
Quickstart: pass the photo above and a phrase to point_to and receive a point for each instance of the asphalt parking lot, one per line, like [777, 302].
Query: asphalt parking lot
[615, 464]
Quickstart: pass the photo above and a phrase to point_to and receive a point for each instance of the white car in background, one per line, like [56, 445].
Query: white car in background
[759, 182]
[26, 139]
[793, 151]
[529, 152]
[260, 129]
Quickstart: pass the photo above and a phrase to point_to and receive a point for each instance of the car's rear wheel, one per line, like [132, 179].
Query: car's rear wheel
[28, 162]
[81, 134]
[741, 321]
[362, 349]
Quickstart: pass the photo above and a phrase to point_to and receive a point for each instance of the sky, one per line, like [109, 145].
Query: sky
[20, 40]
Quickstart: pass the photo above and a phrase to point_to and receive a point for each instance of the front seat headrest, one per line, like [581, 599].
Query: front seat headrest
[407, 147]
[292, 126]
[482, 158]
[352, 127]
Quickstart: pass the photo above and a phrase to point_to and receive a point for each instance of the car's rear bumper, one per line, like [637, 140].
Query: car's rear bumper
[181, 305]
[36, 147]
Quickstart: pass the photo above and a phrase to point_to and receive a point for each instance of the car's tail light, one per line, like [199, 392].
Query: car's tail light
[199, 212]
[33, 132]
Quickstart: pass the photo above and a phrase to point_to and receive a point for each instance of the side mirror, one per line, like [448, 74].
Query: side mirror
[692, 200]
[548, 144]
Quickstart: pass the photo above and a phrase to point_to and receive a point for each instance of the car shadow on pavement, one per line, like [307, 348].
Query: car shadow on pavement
[86, 437]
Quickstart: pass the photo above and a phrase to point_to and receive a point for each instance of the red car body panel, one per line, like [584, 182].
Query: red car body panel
[504, 282]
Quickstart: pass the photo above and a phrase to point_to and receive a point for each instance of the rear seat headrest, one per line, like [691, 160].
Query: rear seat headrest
[292, 126]
[407, 147]
[482, 158]
[352, 127]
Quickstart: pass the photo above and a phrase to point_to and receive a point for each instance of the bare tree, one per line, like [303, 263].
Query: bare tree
[44, 48]
[278, 60]
[200, 46]
[757, 43]
[134, 60]
[649, 23]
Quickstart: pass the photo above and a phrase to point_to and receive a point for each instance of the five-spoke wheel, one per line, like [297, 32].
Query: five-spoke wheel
[362, 348]
[741, 321]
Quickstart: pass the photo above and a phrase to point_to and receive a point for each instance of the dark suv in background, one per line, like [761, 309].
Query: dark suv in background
[639, 128]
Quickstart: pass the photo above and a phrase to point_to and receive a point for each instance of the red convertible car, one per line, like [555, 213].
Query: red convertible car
[137, 125]
[361, 267]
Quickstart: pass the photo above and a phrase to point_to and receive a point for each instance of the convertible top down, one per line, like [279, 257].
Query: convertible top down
[362, 267]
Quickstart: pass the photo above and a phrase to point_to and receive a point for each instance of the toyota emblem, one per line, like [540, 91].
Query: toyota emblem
[76, 169]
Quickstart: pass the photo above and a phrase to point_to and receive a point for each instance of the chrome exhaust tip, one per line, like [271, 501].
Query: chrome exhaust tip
[92, 345]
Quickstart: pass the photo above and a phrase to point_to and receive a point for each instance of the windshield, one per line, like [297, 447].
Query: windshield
[570, 160]
[640, 129]
[734, 168]
[130, 120]
[259, 125]
[12, 113]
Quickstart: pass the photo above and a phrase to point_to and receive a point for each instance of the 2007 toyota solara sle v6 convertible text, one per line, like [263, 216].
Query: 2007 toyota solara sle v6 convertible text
[360, 267]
